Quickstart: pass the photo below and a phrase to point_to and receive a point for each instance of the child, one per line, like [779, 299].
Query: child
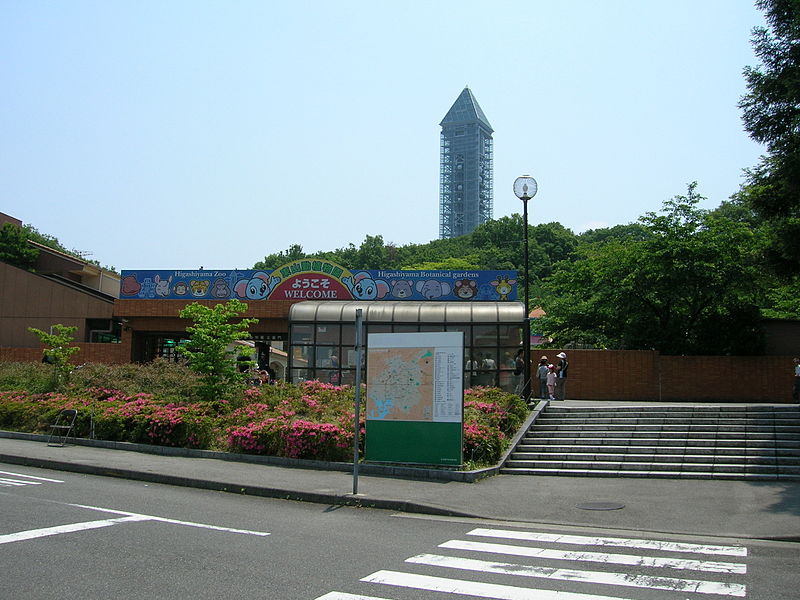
[551, 381]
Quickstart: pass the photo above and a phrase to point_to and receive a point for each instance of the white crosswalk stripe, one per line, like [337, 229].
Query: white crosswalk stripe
[20, 479]
[649, 571]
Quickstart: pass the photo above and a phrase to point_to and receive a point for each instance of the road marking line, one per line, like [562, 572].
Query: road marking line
[174, 521]
[11, 482]
[623, 579]
[474, 588]
[601, 557]
[59, 529]
[345, 596]
[610, 541]
[31, 477]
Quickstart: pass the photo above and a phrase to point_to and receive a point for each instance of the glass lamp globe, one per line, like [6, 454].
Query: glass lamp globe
[525, 187]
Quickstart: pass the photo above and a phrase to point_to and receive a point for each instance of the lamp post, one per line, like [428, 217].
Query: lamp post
[525, 188]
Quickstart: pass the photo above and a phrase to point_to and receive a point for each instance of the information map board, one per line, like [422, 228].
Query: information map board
[415, 398]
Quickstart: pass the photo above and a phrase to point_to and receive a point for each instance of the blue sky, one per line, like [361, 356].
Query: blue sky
[173, 134]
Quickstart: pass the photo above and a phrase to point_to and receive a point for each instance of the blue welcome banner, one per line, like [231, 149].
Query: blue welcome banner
[310, 279]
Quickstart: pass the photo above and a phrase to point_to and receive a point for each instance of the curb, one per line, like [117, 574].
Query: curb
[237, 488]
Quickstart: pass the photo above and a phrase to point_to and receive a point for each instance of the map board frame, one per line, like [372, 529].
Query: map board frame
[415, 398]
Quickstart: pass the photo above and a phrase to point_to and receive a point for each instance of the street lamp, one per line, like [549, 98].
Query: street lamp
[525, 188]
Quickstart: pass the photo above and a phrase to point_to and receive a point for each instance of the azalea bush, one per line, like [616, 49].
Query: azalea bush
[159, 404]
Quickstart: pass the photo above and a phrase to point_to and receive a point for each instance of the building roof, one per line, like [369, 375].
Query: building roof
[337, 311]
[466, 110]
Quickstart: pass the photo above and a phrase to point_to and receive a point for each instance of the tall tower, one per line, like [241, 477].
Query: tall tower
[465, 177]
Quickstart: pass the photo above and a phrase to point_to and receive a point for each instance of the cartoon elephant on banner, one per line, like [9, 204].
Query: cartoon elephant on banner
[257, 288]
[363, 287]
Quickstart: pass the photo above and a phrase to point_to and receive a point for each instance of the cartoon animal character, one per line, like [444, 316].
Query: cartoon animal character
[199, 287]
[220, 289]
[466, 289]
[180, 289]
[432, 289]
[503, 286]
[401, 288]
[162, 285]
[363, 287]
[130, 287]
[257, 288]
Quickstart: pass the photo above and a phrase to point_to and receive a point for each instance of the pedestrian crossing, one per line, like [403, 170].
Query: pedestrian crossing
[505, 564]
[9, 479]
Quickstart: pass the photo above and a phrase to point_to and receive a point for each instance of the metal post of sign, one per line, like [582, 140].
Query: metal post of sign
[357, 426]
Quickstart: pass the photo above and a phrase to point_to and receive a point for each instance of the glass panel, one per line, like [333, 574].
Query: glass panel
[484, 335]
[301, 356]
[349, 378]
[327, 357]
[510, 335]
[300, 375]
[383, 328]
[349, 334]
[327, 335]
[348, 357]
[431, 327]
[464, 328]
[507, 356]
[404, 328]
[302, 334]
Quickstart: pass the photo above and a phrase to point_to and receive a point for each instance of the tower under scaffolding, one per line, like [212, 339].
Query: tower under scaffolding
[465, 177]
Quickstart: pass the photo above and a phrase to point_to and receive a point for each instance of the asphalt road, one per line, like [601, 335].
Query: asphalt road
[65, 535]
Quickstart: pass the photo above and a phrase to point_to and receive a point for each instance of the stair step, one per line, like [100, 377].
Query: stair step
[652, 457]
[653, 466]
[704, 442]
[651, 474]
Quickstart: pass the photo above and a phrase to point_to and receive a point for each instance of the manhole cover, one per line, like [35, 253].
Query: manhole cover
[600, 505]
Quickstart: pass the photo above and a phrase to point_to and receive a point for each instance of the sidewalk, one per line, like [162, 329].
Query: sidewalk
[740, 509]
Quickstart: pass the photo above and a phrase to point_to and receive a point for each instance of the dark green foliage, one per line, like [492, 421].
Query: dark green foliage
[14, 247]
[771, 114]
[688, 286]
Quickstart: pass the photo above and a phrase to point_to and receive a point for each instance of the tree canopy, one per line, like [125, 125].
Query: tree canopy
[687, 285]
[771, 114]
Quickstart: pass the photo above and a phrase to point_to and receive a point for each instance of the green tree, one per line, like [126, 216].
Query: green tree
[58, 349]
[14, 247]
[689, 287]
[771, 114]
[275, 260]
[213, 332]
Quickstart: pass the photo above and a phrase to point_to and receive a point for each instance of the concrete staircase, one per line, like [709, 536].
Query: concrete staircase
[752, 442]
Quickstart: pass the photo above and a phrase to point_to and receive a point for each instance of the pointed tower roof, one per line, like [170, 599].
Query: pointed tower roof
[464, 110]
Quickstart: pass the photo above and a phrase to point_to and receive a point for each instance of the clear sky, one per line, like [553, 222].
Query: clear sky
[164, 134]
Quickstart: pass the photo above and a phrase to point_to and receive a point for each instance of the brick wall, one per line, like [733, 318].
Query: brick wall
[648, 376]
[100, 353]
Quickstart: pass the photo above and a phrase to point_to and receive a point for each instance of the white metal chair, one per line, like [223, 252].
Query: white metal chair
[61, 429]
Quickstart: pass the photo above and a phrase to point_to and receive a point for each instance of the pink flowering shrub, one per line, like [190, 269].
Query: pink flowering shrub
[308, 420]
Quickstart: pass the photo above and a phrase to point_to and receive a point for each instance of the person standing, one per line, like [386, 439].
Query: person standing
[796, 388]
[561, 381]
[541, 374]
[552, 378]
[519, 372]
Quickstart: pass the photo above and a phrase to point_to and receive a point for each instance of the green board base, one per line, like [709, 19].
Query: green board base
[420, 442]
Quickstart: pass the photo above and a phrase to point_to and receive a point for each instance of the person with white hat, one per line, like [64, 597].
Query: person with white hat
[561, 381]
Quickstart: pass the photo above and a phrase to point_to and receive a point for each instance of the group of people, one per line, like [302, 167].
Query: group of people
[553, 378]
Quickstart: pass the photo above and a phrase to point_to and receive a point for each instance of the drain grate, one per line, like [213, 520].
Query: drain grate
[600, 506]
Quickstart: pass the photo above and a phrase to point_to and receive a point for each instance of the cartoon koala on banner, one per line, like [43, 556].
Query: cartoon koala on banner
[363, 287]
